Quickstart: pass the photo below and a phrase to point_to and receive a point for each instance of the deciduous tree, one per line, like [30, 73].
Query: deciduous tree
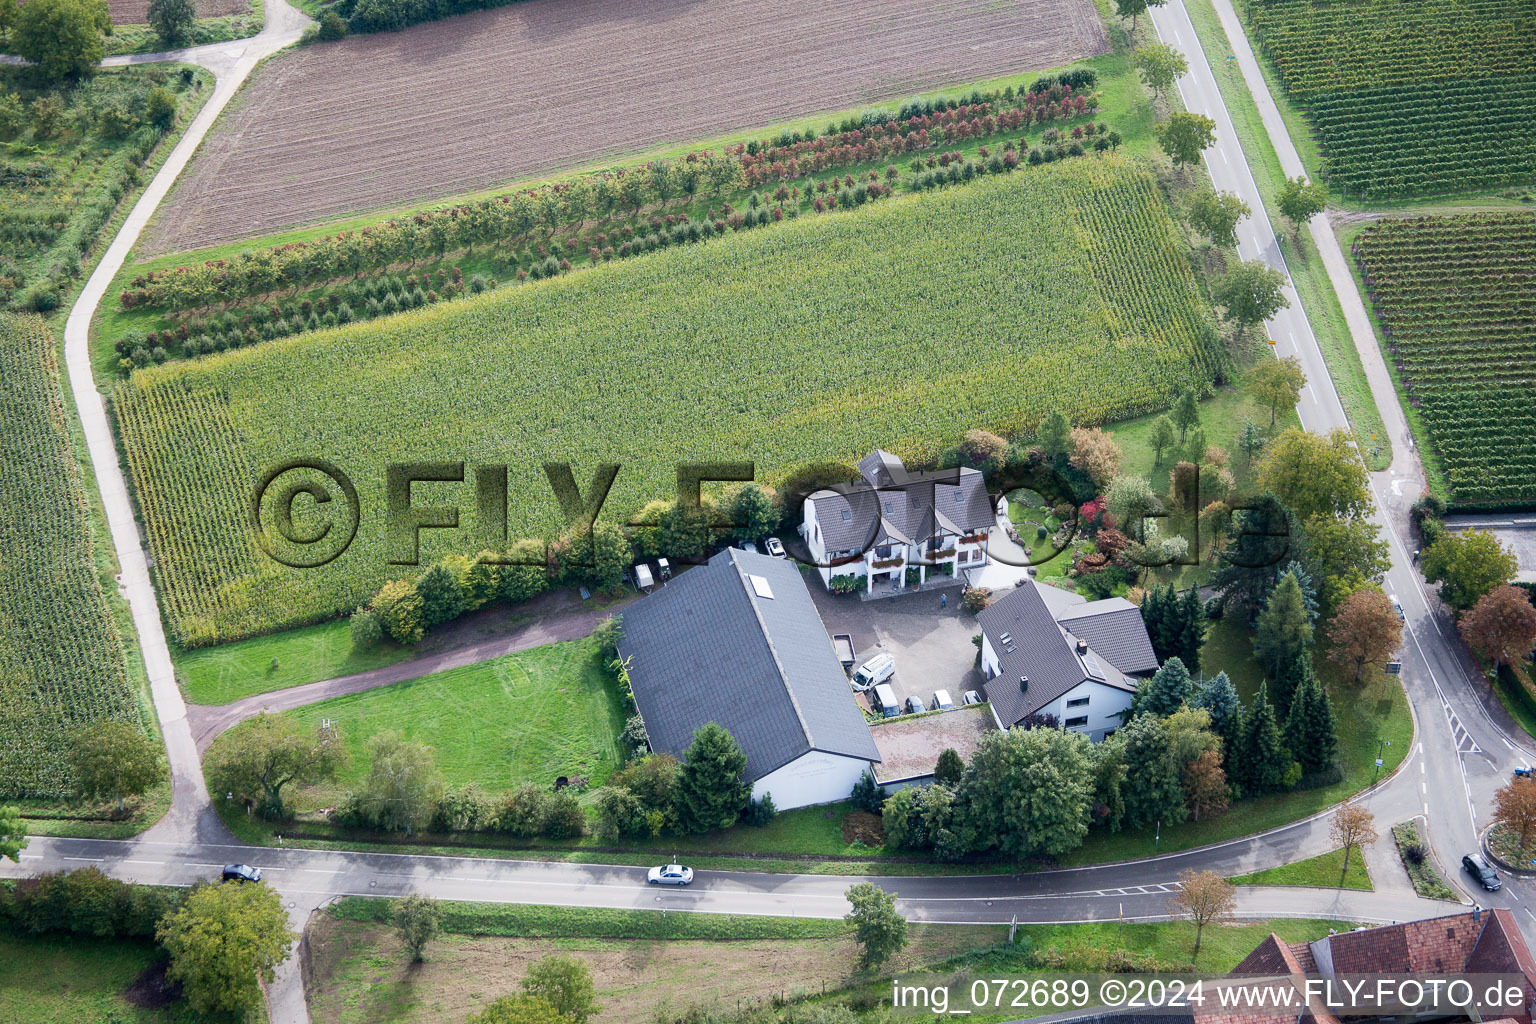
[113, 760]
[1204, 897]
[1205, 785]
[1250, 293]
[1277, 383]
[224, 941]
[1186, 412]
[1160, 66]
[879, 930]
[1316, 474]
[1501, 627]
[1353, 826]
[1515, 808]
[1095, 453]
[403, 783]
[62, 37]
[1184, 136]
[523, 1009]
[1027, 791]
[1300, 200]
[1343, 556]
[1366, 631]
[172, 20]
[1162, 438]
[418, 919]
[1135, 8]
[1468, 564]
[565, 983]
[261, 755]
[1216, 214]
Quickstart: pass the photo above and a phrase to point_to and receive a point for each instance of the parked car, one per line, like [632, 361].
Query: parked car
[1397, 606]
[970, 697]
[941, 701]
[775, 547]
[669, 874]
[915, 706]
[883, 699]
[240, 873]
[748, 546]
[1478, 867]
[874, 671]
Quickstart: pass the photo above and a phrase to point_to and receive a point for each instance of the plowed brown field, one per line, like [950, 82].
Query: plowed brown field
[453, 106]
[133, 12]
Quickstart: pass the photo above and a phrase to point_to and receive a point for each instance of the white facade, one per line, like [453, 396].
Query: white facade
[888, 563]
[815, 777]
[1092, 708]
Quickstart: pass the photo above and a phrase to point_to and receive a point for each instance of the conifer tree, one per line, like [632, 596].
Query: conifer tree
[1262, 758]
[1283, 640]
[710, 790]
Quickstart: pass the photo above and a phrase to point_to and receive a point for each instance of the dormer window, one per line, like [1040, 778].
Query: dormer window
[916, 502]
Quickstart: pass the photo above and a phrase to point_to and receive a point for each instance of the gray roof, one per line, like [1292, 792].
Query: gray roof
[1114, 629]
[1045, 651]
[894, 506]
[707, 647]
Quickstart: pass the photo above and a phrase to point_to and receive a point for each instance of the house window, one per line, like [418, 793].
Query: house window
[1080, 720]
[890, 507]
[884, 551]
[916, 503]
[1080, 702]
[847, 515]
[959, 497]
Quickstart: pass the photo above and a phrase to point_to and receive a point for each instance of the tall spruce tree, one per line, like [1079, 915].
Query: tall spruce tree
[1192, 626]
[1262, 758]
[1308, 588]
[1283, 640]
[1311, 732]
[710, 790]
[1167, 691]
[1219, 697]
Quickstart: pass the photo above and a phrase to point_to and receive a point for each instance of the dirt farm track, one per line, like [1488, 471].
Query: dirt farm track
[467, 103]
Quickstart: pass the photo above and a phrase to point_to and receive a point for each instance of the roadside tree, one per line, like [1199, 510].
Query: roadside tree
[1277, 383]
[172, 20]
[224, 941]
[565, 983]
[62, 37]
[879, 930]
[1249, 294]
[1501, 627]
[710, 790]
[1515, 809]
[418, 919]
[1184, 136]
[1353, 827]
[1160, 66]
[1468, 564]
[1366, 631]
[1216, 215]
[261, 755]
[1300, 200]
[1204, 897]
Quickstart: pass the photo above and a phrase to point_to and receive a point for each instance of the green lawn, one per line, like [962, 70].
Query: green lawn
[1301, 255]
[1229, 648]
[73, 980]
[228, 672]
[1326, 871]
[1170, 942]
[526, 717]
[1222, 416]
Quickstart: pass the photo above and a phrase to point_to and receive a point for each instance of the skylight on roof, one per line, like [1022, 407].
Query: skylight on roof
[959, 497]
[847, 515]
[760, 585]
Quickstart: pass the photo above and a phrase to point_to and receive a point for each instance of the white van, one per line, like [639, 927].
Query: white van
[874, 672]
[884, 700]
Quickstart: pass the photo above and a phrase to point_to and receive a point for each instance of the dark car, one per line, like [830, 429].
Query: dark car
[1479, 868]
[240, 873]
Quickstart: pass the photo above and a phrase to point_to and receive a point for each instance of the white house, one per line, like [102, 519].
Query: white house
[738, 642]
[876, 528]
[1048, 651]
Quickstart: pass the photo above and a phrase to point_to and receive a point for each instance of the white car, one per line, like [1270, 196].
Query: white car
[748, 546]
[775, 547]
[669, 874]
[971, 697]
[941, 701]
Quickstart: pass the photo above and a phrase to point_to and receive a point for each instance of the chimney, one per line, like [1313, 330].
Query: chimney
[1082, 647]
[1023, 684]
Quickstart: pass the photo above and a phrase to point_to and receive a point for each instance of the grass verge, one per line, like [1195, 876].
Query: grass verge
[1326, 871]
[228, 672]
[75, 978]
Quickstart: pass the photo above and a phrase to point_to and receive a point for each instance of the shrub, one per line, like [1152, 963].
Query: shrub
[365, 629]
[85, 902]
[867, 794]
[760, 812]
[332, 27]
[976, 598]
[563, 816]
[522, 811]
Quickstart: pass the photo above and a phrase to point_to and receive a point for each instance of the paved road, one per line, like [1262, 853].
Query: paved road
[1465, 743]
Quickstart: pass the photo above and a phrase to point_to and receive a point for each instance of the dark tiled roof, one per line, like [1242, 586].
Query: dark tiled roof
[1270, 957]
[893, 505]
[1038, 647]
[1114, 629]
[707, 648]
